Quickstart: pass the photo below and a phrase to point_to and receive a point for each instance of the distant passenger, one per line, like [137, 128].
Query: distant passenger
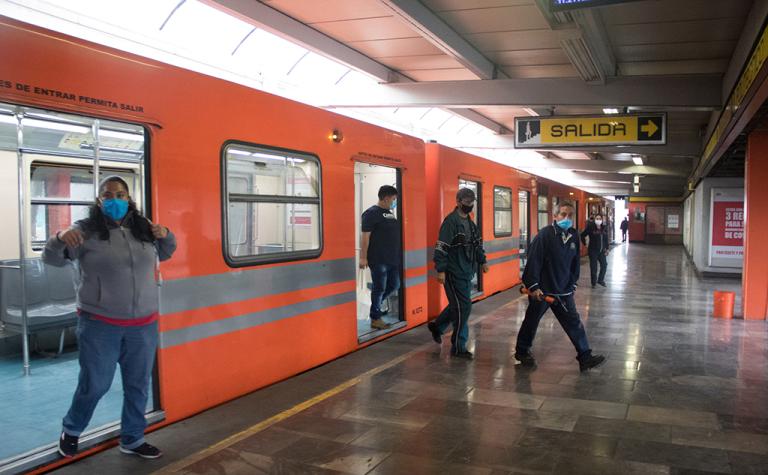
[553, 270]
[458, 252]
[624, 229]
[117, 300]
[598, 249]
[380, 251]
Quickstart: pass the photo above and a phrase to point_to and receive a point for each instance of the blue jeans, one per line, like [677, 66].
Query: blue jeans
[102, 347]
[565, 311]
[386, 279]
[457, 312]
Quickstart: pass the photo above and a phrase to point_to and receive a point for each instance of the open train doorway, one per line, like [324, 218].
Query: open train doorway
[50, 165]
[477, 217]
[378, 250]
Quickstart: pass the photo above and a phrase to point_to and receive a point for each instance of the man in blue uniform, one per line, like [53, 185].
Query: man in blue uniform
[598, 249]
[458, 251]
[553, 270]
[380, 250]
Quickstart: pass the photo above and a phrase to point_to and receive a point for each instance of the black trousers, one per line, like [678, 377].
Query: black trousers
[594, 259]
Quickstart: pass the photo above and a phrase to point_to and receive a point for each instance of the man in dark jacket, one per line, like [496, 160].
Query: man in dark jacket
[553, 270]
[624, 228]
[598, 249]
[458, 251]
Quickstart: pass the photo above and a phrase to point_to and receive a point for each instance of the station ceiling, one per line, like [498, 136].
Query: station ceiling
[477, 62]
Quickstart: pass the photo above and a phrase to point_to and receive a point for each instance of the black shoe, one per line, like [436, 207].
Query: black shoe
[526, 359]
[592, 361]
[601, 283]
[67, 445]
[144, 451]
[435, 333]
[467, 355]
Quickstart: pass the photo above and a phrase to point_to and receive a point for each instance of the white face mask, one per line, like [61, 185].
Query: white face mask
[598, 222]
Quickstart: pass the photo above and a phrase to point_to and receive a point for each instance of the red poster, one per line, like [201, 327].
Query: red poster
[727, 223]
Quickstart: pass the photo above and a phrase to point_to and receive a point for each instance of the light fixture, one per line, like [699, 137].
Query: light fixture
[336, 136]
[610, 110]
[638, 160]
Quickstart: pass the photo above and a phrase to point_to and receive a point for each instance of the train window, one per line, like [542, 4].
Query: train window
[61, 194]
[502, 211]
[272, 205]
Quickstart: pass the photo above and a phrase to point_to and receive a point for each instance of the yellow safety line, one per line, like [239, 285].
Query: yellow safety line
[254, 429]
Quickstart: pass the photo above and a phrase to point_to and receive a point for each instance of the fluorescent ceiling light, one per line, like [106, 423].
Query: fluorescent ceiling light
[610, 110]
[638, 160]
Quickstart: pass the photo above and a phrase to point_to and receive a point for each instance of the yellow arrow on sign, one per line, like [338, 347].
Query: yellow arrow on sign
[650, 128]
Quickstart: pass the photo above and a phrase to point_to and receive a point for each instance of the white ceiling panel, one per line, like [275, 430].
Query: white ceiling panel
[526, 17]
[366, 29]
[395, 47]
[444, 5]
[329, 10]
[675, 51]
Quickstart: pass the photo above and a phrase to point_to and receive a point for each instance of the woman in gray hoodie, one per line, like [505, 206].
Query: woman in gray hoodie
[116, 249]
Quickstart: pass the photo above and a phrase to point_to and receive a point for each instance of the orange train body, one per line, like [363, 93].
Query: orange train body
[188, 117]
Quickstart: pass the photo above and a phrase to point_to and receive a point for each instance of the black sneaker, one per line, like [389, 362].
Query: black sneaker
[592, 361]
[467, 355]
[435, 333]
[144, 451]
[67, 445]
[526, 359]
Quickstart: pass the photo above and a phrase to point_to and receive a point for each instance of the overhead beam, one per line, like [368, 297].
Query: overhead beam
[681, 93]
[678, 146]
[437, 32]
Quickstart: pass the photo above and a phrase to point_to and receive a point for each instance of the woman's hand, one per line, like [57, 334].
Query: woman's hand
[72, 237]
[158, 230]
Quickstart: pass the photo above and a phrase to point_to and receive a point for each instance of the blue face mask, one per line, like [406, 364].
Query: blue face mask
[564, 224]
[115, 208]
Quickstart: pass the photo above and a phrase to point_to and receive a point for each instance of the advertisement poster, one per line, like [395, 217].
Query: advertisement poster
[727, 228]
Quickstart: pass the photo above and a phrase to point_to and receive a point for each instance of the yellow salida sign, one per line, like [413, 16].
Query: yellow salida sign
[575, 131]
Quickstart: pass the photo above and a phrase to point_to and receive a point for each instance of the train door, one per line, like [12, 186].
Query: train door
[477, 217]
[49, 165]
[524, 198]
[368, 180]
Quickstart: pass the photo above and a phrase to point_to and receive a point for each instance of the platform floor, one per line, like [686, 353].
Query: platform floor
[681, 393]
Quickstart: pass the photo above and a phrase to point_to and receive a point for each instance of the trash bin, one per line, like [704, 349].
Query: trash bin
[723, 304]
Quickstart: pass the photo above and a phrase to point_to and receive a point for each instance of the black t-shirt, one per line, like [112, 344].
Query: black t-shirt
[384, 245]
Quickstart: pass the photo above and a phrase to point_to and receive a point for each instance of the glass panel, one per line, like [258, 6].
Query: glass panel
[268, 173]
[502, 221]
[46, 220]
[502, 198]
[266, 228]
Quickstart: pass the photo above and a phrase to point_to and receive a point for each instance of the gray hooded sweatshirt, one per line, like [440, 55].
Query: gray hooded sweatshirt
[117, 276]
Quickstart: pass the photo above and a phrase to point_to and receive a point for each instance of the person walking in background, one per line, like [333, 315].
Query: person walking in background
[624, 229]
[380, 251]
[552, 270]
[597, 232]
[458, 251]
[117, 299]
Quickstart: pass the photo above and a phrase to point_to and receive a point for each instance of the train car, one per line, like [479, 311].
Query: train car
[263, 194]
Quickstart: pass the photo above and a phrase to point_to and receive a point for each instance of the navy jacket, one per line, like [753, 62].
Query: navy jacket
[598, 238]
[553, 261]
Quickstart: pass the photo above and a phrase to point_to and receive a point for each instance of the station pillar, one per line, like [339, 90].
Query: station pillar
[755, 275]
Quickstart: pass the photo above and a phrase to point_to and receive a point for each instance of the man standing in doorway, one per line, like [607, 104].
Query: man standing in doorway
[598, 249]
[624, 228]
[553, 270]
[458, 252]
[380, 250]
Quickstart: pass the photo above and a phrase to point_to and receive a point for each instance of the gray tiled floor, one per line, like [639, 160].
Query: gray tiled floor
[681, 393]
